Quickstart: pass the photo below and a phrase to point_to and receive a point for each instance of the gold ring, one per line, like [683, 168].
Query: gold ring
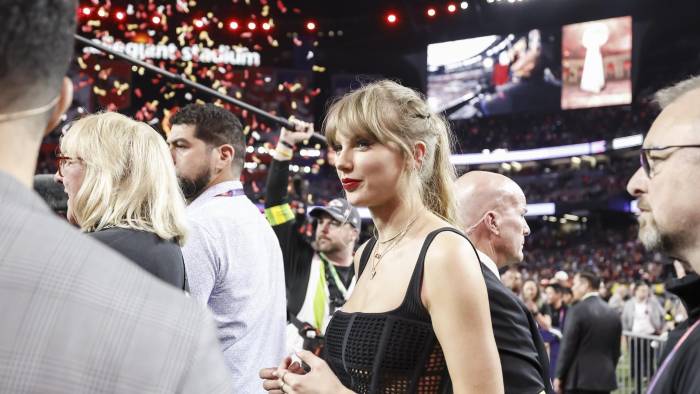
[283, 375]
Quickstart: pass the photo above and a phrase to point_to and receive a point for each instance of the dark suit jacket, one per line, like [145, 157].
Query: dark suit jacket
[524, 361]
[590, 348]
[161, 258]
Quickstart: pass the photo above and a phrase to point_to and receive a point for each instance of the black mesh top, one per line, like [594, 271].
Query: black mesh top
[389, 352]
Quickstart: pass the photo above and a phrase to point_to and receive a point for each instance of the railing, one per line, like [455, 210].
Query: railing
[639, 362]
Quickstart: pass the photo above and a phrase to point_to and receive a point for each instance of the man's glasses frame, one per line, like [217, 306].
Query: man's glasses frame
[647, 162]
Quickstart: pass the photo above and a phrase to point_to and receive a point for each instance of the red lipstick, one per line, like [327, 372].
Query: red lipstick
[350, 184]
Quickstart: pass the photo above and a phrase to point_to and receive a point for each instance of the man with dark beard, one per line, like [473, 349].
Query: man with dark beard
[319, 274]
[669, 218]
[232, 257]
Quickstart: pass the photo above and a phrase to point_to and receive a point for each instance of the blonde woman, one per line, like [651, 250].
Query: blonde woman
[121, 186]
[418, 320]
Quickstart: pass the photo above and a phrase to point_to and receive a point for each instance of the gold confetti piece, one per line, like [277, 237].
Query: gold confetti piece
[98, 91]
[124, 87]
[318, 69]
[81, 63]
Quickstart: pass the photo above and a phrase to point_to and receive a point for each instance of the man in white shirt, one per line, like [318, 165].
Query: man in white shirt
[232, 256]
[492, 213]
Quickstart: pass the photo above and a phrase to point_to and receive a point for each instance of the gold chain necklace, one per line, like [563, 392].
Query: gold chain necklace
[397, 238]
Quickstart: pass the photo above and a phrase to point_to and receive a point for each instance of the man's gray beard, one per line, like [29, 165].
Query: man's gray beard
[652, 238]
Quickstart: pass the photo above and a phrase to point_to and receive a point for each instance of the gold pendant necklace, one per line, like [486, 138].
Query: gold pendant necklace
[378, 255]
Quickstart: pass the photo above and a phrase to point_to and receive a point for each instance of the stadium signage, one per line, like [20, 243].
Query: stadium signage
[223, 54]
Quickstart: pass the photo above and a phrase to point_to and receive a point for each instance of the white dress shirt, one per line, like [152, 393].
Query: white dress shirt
[234, 265]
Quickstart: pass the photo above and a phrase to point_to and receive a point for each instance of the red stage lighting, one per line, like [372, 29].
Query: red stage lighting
[311, 26]
[451, 8]
[198, 23]
[155, 19]
[266, 26]
[392, 18]
[120, 15]
[233, 25]
[431, 12]
[252, 25]
[86, 11]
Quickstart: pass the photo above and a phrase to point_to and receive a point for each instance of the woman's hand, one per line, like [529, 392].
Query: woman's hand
[271, 382]
[319, 380]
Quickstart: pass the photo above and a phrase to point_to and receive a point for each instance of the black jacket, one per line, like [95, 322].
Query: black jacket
[680, 375]
[524, 360]
[161, 258]
[297, 251]
[590, 348]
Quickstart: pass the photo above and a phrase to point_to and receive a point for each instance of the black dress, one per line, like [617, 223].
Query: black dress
[389, 352]
[160, 257]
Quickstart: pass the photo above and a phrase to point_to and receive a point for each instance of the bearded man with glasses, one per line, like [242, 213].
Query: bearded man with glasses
[667, 189]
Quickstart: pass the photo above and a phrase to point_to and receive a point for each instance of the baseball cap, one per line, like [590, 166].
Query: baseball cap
[340, 210]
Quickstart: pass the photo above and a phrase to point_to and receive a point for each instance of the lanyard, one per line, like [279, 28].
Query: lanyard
[232, 193]
[336, 277]
[670, 356]
[322, 294]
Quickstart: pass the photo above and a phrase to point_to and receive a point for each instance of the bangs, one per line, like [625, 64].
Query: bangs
[76, 142]
[358, 114]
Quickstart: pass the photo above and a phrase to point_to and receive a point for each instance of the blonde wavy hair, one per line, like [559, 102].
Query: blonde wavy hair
[129, 180]
[387, 112]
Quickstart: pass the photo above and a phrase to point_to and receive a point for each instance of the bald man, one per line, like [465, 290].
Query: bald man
[492, 212]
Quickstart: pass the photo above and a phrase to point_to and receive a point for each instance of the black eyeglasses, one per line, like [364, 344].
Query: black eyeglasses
[646, 161]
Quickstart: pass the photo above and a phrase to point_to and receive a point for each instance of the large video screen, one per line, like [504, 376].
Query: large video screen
[496, 74]
[597, 63]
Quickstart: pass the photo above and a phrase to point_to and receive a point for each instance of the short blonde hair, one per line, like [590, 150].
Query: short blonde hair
[388, 112]
[129, 180]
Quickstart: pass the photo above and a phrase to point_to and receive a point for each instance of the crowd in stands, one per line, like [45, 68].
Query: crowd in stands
[614, 254]
[536, 130]
[605, 180]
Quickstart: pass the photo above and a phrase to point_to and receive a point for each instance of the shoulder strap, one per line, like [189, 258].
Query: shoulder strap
[366, 253]
[413, 296]
[429, 240]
